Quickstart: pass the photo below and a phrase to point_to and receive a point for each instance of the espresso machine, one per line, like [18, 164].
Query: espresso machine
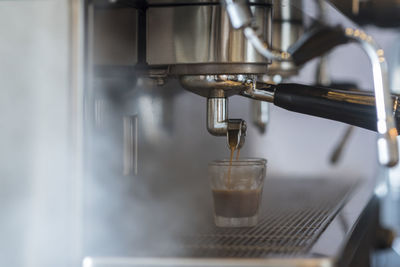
[159, 79]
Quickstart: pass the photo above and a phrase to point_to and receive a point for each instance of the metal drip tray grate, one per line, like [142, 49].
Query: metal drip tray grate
[294, 214]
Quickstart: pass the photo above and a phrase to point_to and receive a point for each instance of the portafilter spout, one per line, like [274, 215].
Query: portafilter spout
[218, 123]
[217, 89]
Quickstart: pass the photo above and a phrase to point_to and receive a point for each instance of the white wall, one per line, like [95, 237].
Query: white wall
[34, 99]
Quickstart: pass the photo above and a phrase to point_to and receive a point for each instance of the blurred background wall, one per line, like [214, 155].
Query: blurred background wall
[35, 183]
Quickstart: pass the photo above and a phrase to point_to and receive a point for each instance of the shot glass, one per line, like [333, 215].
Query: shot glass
[237, 191]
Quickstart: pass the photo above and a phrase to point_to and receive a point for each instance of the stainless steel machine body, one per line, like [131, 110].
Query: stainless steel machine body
[196, 38]
[147, 147]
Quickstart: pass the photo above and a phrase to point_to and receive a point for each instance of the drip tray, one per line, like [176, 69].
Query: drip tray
[302, 223]
[294, 214]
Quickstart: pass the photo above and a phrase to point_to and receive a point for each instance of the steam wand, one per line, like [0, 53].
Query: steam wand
[217, 89]
[387, 143]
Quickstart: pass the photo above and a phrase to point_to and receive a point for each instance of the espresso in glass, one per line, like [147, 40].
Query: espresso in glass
[237, 190]
[236, 203]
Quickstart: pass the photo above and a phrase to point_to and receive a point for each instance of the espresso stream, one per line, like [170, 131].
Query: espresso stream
[232, 146]
[228, 183]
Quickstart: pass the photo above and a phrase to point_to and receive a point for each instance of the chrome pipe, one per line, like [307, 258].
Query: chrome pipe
[387, 133]
[217, 116]
[260, 115]
[262, 47]
[241, 18]
[239, 13]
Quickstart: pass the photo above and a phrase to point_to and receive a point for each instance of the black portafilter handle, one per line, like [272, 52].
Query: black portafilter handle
[352, 107]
